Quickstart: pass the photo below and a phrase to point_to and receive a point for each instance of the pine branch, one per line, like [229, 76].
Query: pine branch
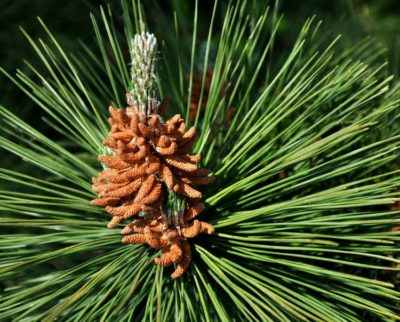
[306, 169]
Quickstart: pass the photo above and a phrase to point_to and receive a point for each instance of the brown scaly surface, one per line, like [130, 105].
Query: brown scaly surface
[171, 240]
[148, 154]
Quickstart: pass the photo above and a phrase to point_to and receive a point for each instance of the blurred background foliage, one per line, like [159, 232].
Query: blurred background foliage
[69, 21]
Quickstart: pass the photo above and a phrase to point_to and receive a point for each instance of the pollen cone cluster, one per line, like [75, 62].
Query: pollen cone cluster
[149, 158]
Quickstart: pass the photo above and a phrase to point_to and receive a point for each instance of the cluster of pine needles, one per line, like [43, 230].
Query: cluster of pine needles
[303, 144]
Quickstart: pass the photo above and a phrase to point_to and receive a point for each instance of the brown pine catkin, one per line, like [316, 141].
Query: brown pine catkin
[148, 154]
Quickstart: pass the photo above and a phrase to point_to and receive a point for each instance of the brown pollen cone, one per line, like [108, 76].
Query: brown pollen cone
[171, 240]
[197, 92]
[149, 156]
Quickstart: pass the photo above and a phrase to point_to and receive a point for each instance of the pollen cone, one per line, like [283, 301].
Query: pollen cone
[146, 153]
